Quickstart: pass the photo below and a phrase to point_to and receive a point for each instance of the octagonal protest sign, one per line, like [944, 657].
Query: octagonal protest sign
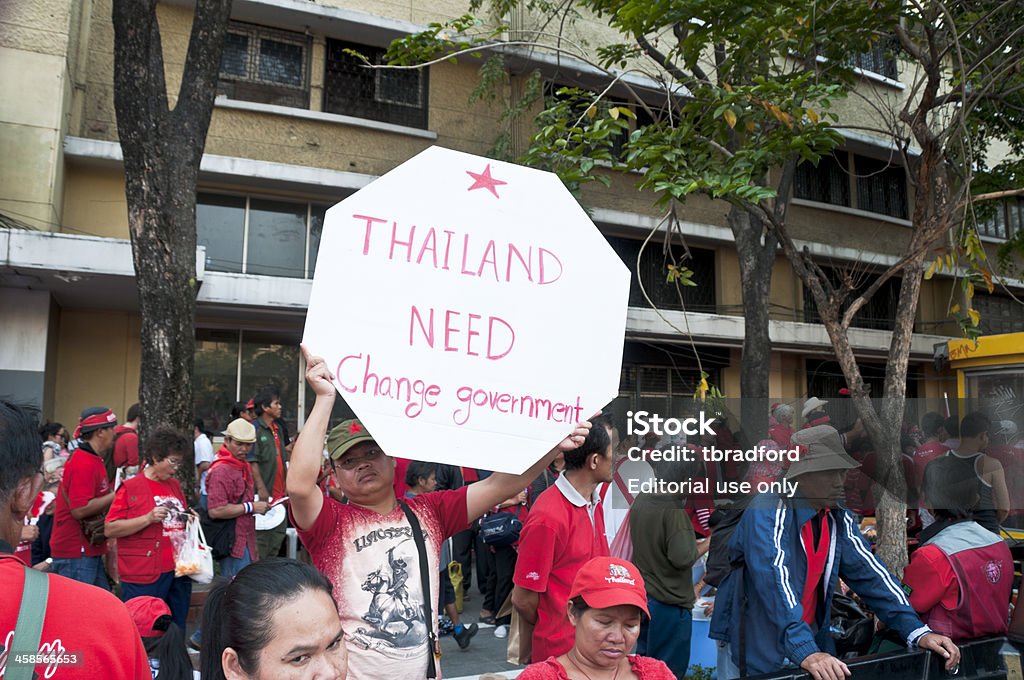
[469, 309]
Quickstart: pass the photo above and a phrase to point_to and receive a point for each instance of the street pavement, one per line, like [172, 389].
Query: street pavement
[486, 653]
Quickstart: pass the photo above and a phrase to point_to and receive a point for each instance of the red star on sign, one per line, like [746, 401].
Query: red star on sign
[485, 181]
[355, 428]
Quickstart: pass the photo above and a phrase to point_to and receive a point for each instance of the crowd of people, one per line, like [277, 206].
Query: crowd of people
[577, 586]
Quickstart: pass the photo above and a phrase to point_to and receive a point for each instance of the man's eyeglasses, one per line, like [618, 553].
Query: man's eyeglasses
[175, 462]
[353, 463]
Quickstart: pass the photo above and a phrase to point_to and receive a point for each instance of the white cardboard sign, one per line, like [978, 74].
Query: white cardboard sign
[469, 309]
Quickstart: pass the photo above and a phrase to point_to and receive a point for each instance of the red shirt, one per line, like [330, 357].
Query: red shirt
[557, 539]
[80, 619]
[923, 455]
[643, 667]
[401, 465]
[372, 561]
[126, 446]
[143, 556]
[85, 478]
[781, 434]
[226, 485]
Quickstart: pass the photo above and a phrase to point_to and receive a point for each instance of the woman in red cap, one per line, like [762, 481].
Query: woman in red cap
[163, 640]
[605, 605]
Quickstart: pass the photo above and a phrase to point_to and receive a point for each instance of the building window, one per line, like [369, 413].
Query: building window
[877, 185]
[829, 182]
[999, 314]
[661, 378]
[1003, 220]
[880, 311]
[654, 274]
[881, 59]
[580, 100]
[825, 379]
[881, 187]
[265, 65]
[259, 236]
[232, 365]
[386, 95]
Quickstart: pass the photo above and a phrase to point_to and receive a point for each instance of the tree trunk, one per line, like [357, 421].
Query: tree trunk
[891, 486]
[161, 218]
[162, 149]
[755, 248]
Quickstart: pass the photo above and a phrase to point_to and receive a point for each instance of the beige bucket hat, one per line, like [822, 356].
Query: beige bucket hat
[822, 449]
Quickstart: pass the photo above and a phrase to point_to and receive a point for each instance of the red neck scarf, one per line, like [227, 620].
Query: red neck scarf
[817, 557]
[821, 420]
[224, 456]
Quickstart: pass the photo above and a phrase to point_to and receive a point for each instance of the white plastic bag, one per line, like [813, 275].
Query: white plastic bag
[194, 557]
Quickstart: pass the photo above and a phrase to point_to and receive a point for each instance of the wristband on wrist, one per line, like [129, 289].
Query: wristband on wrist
[247, 507]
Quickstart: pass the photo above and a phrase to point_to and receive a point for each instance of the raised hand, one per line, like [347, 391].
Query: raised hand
[318, 375]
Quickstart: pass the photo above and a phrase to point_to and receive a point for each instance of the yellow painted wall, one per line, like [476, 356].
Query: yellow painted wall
[728, 291]
[37, 40]
[786, 297]
[94, 203]
[731, 375]
[97, 363]
[935, 300]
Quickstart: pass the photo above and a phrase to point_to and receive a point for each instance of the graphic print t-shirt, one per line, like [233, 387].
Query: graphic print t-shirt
[372, 562]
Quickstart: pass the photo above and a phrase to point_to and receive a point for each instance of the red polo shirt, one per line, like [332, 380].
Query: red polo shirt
[126, 446]
[559, 537]
[85, 478]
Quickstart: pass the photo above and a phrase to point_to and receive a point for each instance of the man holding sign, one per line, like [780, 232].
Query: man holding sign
[371, 548]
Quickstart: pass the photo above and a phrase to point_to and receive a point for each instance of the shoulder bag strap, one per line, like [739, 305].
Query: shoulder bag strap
[29, 630]
[433, 649]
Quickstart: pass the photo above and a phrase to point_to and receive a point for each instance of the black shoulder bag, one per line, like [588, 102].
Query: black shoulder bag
[433, 648]
[220, 533]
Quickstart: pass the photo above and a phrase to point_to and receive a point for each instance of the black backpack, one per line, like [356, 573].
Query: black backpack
[723, 522]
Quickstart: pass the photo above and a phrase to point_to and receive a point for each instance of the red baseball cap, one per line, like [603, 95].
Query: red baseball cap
[608, 582]
[147, 613]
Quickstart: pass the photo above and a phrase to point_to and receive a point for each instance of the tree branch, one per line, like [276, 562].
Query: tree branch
[202, 71]
[680, 31]
[995, 195]
[665, 62]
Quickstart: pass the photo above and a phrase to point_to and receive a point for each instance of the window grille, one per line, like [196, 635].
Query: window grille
[881, 59]
[390, 96]
[825, 378]
[265, 65]
[654, 270]
[881, 187]
[999, 314]
[653, 380]
[829, 182]
[581, 100]
[880, 311]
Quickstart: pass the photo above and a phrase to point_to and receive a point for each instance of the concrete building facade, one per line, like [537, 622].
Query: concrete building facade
[297, 127]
